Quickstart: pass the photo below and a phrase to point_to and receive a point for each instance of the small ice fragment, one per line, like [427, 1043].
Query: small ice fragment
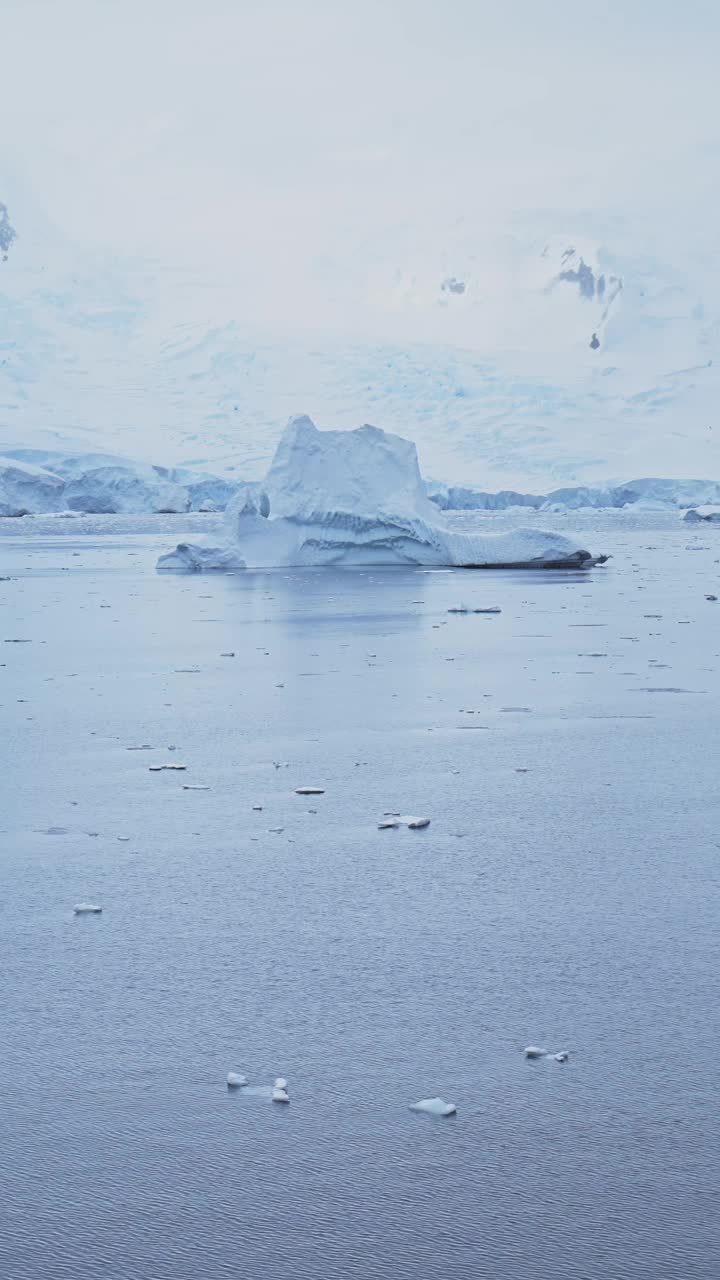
[235, 1081]
[309, 791]
[227, 655]
[280, 1095]
[563, 1056]
[257, 808]
[435, 1107]
[87, 909]
[532, 1051]
[280, 1083]
[407, 820]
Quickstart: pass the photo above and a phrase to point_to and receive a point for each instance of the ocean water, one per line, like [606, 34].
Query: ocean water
[566, 893]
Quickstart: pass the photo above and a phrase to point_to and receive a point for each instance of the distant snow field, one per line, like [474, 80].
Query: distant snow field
[529, 359]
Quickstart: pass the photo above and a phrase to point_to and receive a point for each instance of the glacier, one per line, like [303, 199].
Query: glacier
[112, 483]
[123, 490]
[29, 490]
[663, 494]
[48, 481]
[497, 384]
[357, 498]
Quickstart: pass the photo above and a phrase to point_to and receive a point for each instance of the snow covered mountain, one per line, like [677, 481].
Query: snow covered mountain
[533, 358]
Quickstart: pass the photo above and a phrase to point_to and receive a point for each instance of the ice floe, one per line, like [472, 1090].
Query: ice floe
[435, 1107]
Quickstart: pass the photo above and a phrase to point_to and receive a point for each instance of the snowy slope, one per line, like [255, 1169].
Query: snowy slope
[478, 346]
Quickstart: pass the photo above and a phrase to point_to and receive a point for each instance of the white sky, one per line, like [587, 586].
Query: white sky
[230, 128]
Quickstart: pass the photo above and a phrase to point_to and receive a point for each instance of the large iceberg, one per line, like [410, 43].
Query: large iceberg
[357, 498]
[124, 490]
[28, 490]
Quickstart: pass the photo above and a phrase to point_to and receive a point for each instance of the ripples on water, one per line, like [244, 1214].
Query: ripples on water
[565, 893]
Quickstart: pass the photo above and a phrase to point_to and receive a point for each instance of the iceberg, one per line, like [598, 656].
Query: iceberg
[357, 498]
[207, 492]
[28, 490]
[124, 491]
[706, 513]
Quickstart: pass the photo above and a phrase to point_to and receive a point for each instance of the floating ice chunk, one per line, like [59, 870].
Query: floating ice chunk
[413, 824]
[309, 791]
[190, 557]
[280, 1095]
[464, 609]
[532, 1051]
[563, 1056]
[434, 1107]
[235, 1081]
[87, 909]
[696, 515]
[280, 1083]
[357, 497]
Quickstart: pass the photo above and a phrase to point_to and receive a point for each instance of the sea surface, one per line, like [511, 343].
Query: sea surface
[566, 894]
